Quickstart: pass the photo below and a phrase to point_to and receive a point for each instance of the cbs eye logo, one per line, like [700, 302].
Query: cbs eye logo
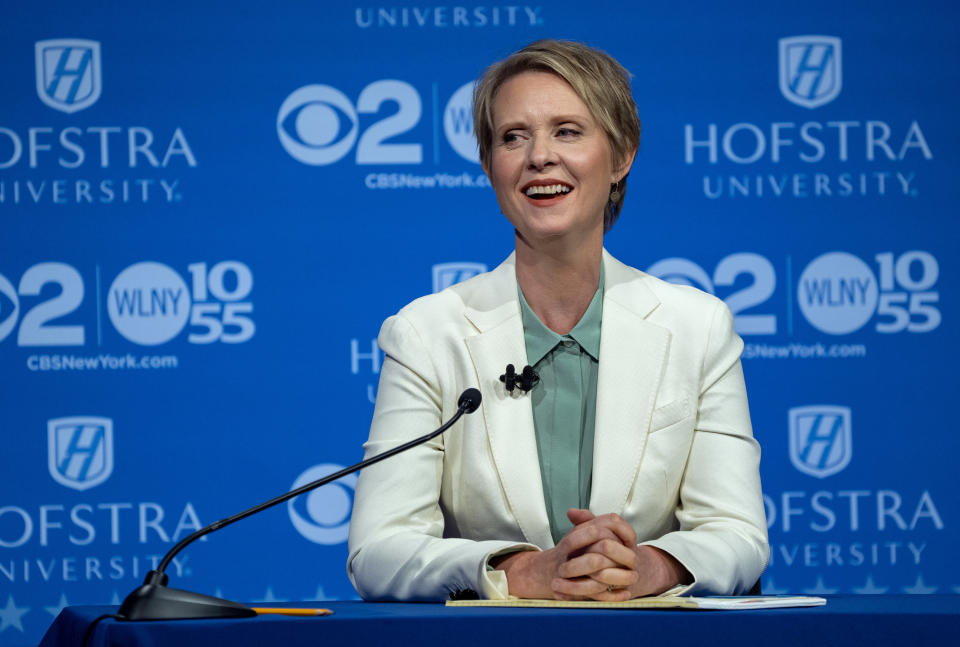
[323, 515]
[319, 125]
[310, 122]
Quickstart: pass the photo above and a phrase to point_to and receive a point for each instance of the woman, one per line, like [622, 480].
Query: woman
[629, 468]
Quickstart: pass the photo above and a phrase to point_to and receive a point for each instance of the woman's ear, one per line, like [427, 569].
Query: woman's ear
[620, 171]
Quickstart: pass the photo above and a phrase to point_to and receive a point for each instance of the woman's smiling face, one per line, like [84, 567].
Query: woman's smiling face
[551, 163]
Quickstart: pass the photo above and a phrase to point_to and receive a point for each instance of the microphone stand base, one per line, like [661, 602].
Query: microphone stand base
[154, 601]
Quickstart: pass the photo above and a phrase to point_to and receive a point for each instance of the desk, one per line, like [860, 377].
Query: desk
[912, 620]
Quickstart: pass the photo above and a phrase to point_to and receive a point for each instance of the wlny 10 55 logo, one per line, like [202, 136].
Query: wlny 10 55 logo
[837, 292]
[148, 304]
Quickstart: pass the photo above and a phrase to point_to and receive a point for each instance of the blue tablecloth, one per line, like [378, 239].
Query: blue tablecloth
[845, 620]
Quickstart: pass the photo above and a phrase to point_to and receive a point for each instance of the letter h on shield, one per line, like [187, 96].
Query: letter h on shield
[80, 450]
[68, 73]
[62, 73]
[811, 72]
[817, 72]
[820, 439]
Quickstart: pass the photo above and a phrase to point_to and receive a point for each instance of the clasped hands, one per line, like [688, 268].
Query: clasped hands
[598, 559]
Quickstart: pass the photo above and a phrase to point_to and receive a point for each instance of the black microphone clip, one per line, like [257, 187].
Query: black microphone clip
[526, 380]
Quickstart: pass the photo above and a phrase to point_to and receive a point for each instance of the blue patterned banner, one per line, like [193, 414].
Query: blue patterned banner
[208, 210]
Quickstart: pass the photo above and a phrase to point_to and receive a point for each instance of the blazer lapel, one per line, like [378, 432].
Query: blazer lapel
[633, 354]
[495, 312]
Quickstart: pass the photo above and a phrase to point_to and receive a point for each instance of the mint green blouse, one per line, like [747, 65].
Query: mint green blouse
[564, 407]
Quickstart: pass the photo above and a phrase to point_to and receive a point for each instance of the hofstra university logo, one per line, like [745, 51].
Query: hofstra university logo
[80, 450]
[820, 439]
[811, 72]
[68, 73]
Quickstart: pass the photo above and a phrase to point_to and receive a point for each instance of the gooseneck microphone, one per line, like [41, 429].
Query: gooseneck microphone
[155, 601]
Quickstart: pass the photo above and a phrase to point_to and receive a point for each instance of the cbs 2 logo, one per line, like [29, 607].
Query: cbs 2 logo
[685, 272]
[36, 328]
[319, 125]
[311, 120]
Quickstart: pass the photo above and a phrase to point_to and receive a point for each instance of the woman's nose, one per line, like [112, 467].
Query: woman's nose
[540, 153]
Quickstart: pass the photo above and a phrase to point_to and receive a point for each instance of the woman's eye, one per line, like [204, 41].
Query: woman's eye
[567, 132]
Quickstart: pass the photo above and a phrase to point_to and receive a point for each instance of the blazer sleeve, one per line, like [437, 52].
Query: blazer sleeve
[397, 548]
[722, 534]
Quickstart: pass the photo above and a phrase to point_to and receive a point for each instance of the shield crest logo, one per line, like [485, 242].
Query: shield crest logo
[811, 69]
[68, 73]
[821, 440]
[446, 274]
[80, 450]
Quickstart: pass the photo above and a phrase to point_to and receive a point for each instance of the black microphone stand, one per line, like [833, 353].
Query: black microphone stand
[155, 601]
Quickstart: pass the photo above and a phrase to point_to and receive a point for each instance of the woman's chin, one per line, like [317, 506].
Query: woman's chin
[556, 232]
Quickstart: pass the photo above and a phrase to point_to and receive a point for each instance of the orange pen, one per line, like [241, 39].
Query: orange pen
[292, 612]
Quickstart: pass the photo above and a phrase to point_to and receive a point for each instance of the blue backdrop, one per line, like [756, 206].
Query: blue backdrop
[207, 211]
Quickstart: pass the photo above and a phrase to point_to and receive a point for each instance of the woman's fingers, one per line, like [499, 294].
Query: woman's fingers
[606, 553]
[619, 527]
[591, 589]
[584, 535]
[601, 560]
[585, 565]
[579, 515]
[594, 529]
[616, 577]
[598, 568]
[622, 556]
[612, 521]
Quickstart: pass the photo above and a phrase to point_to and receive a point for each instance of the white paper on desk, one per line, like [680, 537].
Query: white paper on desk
[758, 602]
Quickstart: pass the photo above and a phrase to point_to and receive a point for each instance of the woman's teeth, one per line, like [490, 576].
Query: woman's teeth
[548, 189]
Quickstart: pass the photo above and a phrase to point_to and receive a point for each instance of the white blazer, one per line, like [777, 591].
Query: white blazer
[674, 453]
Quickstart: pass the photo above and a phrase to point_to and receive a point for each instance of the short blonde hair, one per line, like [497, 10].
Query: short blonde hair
[597, 78]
